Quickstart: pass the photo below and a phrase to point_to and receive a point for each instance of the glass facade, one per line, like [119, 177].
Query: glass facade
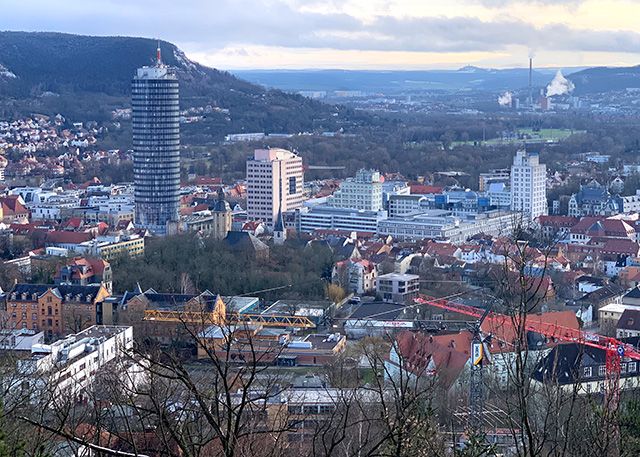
[156, 148]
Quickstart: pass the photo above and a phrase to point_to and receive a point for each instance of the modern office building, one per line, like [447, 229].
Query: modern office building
[362, 192]
[528, 186]
[156, 147]
[328, 218]
[275, 184]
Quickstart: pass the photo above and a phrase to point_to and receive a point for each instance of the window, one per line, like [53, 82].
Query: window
[631, 368]
[601, 370]
[587, 372]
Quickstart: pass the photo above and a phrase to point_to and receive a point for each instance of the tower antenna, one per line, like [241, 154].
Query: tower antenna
[158, 55]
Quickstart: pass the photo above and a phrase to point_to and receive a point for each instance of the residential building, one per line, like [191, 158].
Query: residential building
[84, 271]
[70, 365]
[156, 147]
[13, 210]
[528, 185]
[275, 183]
[363, 192]
[583, 369]
[398, 288]
[355, 275]
[54, 309]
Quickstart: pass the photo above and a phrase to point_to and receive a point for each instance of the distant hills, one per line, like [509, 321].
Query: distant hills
[389, 82]
[590, 80]
[605, 79]
[86, 77]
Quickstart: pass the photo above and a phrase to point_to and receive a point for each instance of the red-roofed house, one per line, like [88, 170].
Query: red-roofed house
[84, 271]
[13, 210]
[557, 227]
[442, 357]
[600, 227]
[355, 275]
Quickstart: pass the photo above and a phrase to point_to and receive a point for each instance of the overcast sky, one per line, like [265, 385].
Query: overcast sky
[411, 34]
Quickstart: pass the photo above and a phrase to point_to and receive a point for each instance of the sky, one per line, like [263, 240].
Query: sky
[356, 34]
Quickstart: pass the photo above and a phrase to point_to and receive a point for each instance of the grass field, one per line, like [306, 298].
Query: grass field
[527, 135]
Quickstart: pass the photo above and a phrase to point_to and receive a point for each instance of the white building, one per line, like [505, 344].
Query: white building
[362, 192]
[442, 225]
[20, 339]
[398, 288]
[68, 366]
[329, 218]
[528, 185]
[274, 182]
[402, 205]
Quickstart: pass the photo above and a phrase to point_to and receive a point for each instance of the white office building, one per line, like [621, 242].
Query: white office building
[274, 182]
[362, 192]
[528, 186]
[443, 225]
[329, 218]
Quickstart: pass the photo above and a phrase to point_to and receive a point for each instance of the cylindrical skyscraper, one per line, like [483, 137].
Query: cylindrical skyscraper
[156, 147]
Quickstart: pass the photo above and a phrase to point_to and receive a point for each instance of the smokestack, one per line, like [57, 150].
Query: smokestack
[530, 81]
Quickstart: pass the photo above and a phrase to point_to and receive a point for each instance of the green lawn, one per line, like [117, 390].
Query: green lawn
[546, 135]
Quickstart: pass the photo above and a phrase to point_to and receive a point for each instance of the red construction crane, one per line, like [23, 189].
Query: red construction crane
[614, 349]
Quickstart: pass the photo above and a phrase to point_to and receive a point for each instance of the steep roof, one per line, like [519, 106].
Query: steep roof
[442, 355]
[245, 240]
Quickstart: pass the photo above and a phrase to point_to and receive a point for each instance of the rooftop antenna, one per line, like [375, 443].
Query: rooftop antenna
[531, 81]
[158, 55]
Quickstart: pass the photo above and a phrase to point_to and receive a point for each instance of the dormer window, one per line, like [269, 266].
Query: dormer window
[34, 296]
[24, 295]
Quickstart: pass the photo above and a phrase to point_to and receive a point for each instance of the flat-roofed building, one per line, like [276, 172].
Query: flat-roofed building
[275, 182]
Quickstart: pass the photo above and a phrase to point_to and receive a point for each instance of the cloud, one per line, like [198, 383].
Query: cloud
[205, 26]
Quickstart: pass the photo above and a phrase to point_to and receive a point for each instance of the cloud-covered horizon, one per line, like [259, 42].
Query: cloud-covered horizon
[204, 27]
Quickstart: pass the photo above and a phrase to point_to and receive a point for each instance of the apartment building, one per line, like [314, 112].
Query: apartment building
[65, 368]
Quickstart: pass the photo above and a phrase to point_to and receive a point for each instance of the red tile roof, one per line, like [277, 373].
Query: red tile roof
[442, 355]
[64, 237]
[420, 189]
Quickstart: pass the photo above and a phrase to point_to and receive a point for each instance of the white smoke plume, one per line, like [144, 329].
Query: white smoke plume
[505, 99]
[559, 85]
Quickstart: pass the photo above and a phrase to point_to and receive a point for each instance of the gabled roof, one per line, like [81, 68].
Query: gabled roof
[245, 240]
[606, 292]
[442, 355]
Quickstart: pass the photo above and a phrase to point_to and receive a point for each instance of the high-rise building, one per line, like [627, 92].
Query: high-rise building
[528, 185]
[362, 192]
[156, 147]
[274, 184]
